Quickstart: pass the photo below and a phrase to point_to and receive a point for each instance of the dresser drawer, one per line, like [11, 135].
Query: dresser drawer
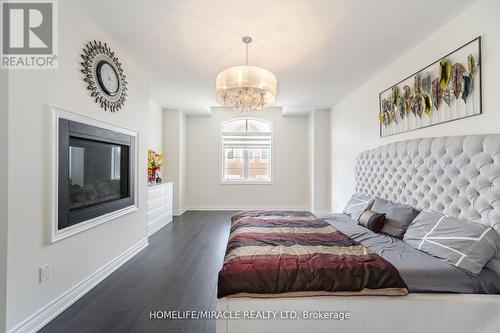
[157, 193]
[157, 211]
[153, 203]
[159, 219]
[159, 206]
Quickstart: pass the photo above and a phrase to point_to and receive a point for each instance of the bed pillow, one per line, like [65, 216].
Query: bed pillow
[372, 221]
[494, 263]
[357, 205]
[397, 216]
[460, 242]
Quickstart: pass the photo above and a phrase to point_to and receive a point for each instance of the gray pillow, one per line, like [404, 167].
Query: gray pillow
[460, 242]
[357, 205]
[397, 216]
[494, 263]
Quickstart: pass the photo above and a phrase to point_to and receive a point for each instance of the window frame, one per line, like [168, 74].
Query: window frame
[223, 181]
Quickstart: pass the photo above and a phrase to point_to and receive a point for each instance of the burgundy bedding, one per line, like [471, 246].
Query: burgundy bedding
[273, 253]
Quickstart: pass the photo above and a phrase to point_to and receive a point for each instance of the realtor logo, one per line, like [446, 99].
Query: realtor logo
[29, 34]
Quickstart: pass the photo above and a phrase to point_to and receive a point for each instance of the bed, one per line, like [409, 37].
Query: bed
[283, 254]
[456, 176]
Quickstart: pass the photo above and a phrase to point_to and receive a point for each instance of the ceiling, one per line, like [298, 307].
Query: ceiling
[320, 50]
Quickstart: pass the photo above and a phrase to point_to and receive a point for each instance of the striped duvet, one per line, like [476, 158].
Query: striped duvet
[282, 253]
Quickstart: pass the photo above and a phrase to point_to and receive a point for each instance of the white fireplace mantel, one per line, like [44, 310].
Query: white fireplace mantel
[56, 234]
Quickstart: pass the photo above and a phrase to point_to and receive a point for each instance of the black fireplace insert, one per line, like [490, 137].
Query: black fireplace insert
[96, 172]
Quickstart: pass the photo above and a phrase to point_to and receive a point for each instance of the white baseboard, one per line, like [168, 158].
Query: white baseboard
[43, 316]
[247, 207]
[179, 212]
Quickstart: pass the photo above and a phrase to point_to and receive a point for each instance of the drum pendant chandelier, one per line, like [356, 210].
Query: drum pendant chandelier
[246, 88]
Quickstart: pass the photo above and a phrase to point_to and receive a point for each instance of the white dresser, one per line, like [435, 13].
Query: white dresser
[159, 206]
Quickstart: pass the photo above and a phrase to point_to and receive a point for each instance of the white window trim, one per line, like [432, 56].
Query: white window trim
[223, 181]
[54, 233]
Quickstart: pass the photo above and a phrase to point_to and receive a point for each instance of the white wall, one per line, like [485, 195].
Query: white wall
[290, 188]
[354, 120]
[174, 146]
[310, 157]
[153, 115]
[31, 93]
[183, 179]
[4, 130]
[319, 167]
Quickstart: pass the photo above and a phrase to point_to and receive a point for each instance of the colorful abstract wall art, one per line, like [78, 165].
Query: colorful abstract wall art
[446, 90]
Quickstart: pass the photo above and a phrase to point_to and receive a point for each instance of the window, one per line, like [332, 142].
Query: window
[246, 150]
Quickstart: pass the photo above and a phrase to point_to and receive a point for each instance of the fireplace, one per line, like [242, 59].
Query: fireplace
[95, 172]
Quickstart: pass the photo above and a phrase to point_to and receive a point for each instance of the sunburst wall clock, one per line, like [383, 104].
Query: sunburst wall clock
[104, 76]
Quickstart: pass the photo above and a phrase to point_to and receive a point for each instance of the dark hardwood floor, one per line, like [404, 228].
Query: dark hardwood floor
[177, 271]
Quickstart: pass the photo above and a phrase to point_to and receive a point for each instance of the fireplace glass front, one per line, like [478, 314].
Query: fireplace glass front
[95, 172]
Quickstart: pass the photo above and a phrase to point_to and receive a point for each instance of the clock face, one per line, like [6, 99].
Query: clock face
[108, 78]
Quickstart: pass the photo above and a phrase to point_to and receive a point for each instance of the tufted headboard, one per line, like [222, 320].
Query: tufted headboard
[457, 176]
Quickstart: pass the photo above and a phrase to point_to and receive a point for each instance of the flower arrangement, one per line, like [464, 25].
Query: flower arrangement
[155, 161]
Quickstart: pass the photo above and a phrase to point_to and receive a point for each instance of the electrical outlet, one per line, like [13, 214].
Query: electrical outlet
[44, 273]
